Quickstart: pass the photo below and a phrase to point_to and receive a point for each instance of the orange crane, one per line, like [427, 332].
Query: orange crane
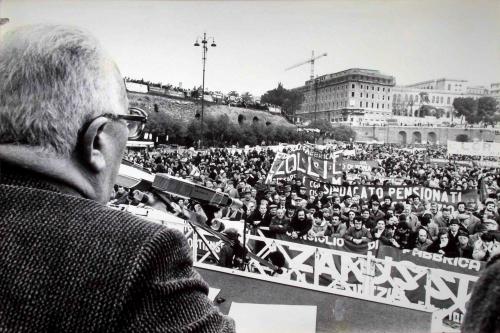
[311, 61]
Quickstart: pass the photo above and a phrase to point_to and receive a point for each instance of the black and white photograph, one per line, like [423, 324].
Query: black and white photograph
[250, 166]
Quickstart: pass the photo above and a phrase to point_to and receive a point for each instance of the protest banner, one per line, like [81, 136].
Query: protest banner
[432, 260]
[364, 166]
[445, 161]
[474, 148]
[487, 164]
[397, 193]
[302, 163]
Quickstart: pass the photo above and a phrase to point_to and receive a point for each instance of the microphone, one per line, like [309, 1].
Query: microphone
[183, 188]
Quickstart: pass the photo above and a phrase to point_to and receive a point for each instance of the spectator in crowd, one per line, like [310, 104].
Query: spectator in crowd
[453, 228]
[417, 206]
[486, 247]
[387, 205]
[402, 233]
[349, 221]
[443, 218]
[231, 254]
[464, 248]
[357, 233]
[430, 226]
[300, 224]
[375, 213]
[444, 246]
[379, 232]
[319, 227]
[337, 228]
[464, 216]
[368, 221]
[423, 241]
[279, 225]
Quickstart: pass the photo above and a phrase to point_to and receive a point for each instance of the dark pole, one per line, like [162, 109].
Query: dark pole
[204, 41]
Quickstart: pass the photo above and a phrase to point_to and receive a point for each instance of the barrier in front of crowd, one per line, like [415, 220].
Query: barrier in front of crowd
[403, 284]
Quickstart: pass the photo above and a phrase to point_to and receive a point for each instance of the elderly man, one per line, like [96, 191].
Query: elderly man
[68, 263]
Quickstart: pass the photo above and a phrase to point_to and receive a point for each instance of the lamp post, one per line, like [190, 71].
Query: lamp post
[204, 43]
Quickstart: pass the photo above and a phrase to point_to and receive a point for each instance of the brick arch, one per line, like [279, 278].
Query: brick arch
[417, 137]
[402, 137]
[432, 138]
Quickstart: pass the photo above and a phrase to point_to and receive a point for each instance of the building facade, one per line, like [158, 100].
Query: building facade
[346, 95]
[495, 91]
[366, 97]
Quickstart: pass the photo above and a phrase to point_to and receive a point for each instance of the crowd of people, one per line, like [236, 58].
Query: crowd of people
[285, 210]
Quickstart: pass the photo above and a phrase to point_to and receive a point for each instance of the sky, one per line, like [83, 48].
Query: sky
[256, 41]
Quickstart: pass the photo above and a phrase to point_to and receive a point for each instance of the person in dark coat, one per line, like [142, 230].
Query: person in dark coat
[68, 262]
[279, 225]
[300, 224]
[482, 309]
[444, 246]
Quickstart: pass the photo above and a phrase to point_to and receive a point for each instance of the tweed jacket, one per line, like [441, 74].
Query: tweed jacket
[69, 264]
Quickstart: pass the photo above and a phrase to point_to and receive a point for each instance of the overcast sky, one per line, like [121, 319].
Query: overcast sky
[256, 41]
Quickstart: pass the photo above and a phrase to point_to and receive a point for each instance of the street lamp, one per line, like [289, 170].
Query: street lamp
[204, 43]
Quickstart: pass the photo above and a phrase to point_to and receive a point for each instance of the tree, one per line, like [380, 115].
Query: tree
[462, 138]
[343, 133]
[487, 110]
[247, 98]
[288, 100]
[466, 107]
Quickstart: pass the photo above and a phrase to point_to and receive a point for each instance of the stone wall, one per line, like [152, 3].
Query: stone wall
[422, 135]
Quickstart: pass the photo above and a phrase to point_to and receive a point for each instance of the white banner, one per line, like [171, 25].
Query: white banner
[136, 87]
[474, 148]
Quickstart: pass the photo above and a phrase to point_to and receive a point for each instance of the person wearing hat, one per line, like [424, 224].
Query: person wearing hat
[303, 192]
[376, 213]
[231, 253]
[464, 248]
[453, 228]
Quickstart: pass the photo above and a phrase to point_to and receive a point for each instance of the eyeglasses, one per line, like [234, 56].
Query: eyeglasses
[135, 120]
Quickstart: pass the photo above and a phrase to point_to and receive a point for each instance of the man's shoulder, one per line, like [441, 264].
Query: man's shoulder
[42, 207]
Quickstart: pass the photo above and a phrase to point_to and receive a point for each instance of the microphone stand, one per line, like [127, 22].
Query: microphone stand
[244, 264]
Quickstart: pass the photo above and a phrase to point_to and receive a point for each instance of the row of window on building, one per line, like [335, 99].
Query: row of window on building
[373, 105]
[367, 87]
[432, 99]
[367, 95]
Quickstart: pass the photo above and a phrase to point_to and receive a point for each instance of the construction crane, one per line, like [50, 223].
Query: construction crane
[311, 61]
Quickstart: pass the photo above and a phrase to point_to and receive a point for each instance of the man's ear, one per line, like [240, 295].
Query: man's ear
[92, 145]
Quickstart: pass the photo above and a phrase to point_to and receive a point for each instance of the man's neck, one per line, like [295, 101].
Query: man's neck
[62, 173]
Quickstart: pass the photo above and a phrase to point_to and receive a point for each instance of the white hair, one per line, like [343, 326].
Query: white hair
[52, 80]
